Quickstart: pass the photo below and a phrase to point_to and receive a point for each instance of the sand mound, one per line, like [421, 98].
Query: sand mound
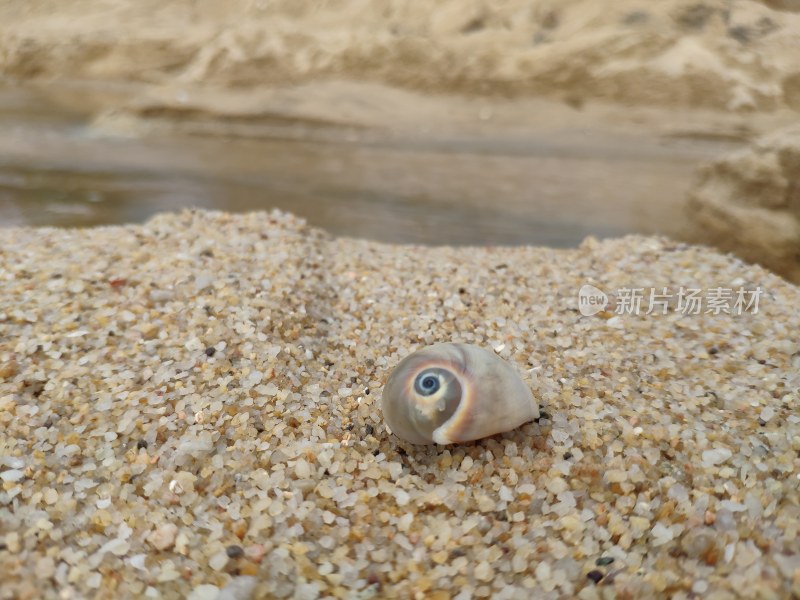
[716, 53]
[749, 203]
[192, 405]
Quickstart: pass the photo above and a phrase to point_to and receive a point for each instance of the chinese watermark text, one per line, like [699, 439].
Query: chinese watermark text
[660, 301]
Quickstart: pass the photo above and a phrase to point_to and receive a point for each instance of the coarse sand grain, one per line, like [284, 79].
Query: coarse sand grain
[190, 408]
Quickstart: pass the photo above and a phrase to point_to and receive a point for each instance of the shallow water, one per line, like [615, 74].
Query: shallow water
[552, 189]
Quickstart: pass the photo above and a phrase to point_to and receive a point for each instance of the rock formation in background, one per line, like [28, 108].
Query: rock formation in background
[749, 203]
[716, 54]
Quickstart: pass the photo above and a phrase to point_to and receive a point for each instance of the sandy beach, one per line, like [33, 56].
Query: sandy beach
[716, 54]
[543, 121]
[190, 408]
[190, 402]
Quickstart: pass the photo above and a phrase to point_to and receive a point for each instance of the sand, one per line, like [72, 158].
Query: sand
[356, 70]
[748, 202]
[190, 408]
[730, 56]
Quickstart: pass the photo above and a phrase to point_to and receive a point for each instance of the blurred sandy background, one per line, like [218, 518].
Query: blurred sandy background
[461, 121]
[726, 55]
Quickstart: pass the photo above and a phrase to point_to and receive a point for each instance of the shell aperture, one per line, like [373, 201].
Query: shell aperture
[450, 393]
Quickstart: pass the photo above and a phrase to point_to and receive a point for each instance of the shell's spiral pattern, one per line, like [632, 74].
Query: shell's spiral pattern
[451, 393]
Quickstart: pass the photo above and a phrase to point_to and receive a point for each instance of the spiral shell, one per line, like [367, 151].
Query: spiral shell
[450, 393]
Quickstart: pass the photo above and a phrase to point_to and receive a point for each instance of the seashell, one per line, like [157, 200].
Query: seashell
[450, 393]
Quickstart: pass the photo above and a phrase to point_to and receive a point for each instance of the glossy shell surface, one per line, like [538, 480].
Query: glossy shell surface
[451, 393]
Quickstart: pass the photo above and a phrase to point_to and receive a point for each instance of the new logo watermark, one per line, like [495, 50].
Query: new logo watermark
[685, 301]
[591, 300]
